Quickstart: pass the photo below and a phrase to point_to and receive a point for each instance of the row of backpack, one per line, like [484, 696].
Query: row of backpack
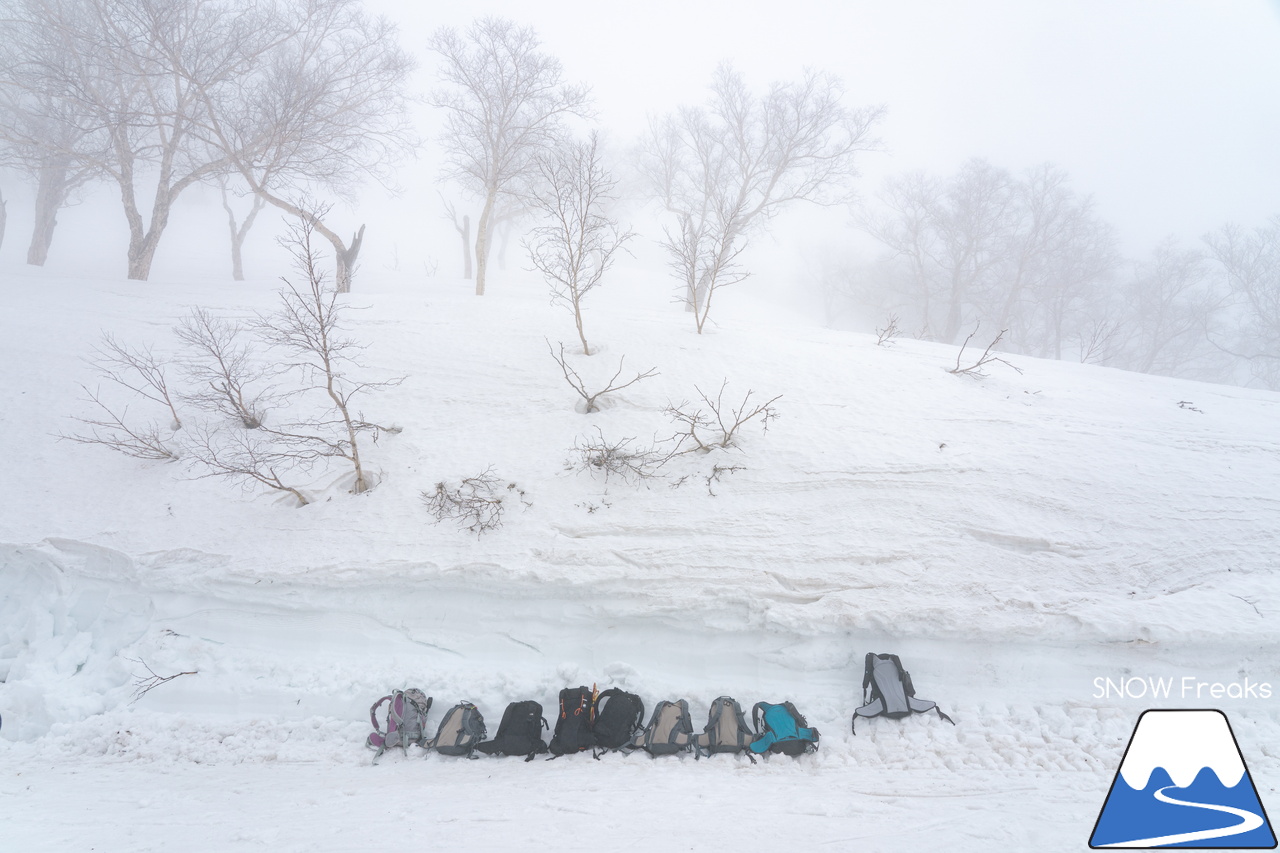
[614, 720]
[588, 720]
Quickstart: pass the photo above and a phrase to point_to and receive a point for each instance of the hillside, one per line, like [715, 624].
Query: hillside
[1012, 537]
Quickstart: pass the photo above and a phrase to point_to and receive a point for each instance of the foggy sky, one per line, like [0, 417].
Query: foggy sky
[1167, 111]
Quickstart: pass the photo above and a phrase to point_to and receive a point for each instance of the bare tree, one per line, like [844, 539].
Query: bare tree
[318, 419]
[1025, 251]
[1170, 301]
[463, 227]
[576, 245]
[577, 384]
[504, 103]
[307, 328]
[324, 108]
[716, 425]
[144, 73]
[723, 170]
[49, 136]
[1252, 264]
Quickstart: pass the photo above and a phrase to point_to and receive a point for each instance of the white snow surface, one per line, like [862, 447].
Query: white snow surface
[1012, 538]
[1183, 743]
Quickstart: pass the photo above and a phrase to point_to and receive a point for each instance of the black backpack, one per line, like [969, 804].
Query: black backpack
[619, 715]
[519, 733]
[573, 725]
[460, 731]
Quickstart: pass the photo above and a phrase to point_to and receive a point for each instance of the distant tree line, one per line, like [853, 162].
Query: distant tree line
[293, 103]
[1028, 256]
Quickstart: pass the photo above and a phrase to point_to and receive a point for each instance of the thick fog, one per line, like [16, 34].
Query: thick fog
[1092, 181]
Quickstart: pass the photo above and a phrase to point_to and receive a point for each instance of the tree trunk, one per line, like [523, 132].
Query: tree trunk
[346, 258]
[239, 232]
[483, 232]
[464, 231]
[51, 195]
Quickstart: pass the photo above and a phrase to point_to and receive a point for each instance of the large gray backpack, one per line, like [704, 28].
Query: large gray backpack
[670, 730]
[888, 691]
[726, 730]
[404, 722]
[460, 731]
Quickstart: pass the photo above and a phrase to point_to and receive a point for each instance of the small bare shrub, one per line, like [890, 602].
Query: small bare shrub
[717, 424]
[477, 503]
[885, 336]
[576, 383]
[622, 458]
[143, 374]
[976, 369]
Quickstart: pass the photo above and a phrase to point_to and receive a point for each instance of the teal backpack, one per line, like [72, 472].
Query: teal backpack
[785, 730]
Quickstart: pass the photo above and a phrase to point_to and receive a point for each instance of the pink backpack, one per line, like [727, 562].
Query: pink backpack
[405, 721]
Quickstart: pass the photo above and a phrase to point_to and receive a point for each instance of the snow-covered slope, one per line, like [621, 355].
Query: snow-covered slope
[1013, 538]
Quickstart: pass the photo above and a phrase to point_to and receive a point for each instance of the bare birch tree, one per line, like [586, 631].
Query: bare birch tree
[323, 109]
[576, 245]
[143, 72]
[725, 169]
[505, 103]
[48, 136]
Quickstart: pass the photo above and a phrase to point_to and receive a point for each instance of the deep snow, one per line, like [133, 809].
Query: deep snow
[1013, 538]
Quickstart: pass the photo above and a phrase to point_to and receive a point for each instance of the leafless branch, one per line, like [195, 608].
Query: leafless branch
[111, 429]
[718, 424]
[144, 684]
[577, 384]
[477, 503]
[618, 458]
[716, 472]
[976, 369]
[138, 370]
[885, 336]
[575, 244]
[253, 457]
[231, 380]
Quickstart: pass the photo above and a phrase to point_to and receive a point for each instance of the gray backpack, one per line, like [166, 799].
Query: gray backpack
[670, 730]
[888, 691]
[726, 730]
[460, 731]
[405, 721]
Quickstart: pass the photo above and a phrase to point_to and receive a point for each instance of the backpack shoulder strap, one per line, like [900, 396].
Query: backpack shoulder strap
[373, 712]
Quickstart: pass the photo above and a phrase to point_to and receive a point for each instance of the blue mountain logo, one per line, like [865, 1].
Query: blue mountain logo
[1183, 783]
